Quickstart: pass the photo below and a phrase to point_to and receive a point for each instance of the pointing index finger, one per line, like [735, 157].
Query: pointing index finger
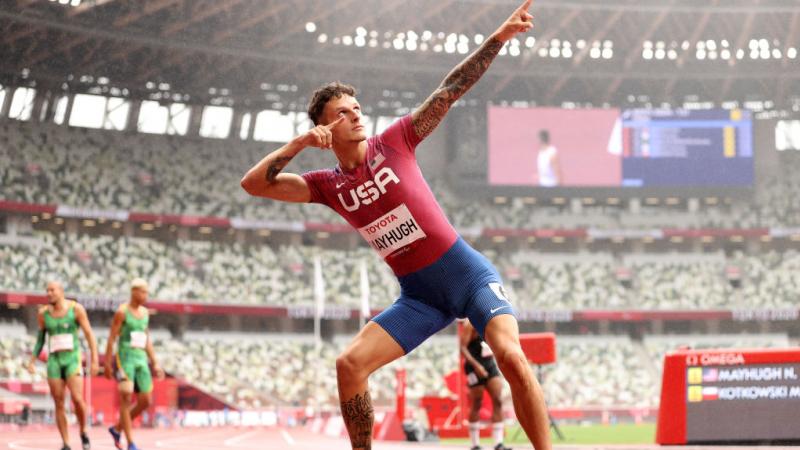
[525, 5]
[333, 124]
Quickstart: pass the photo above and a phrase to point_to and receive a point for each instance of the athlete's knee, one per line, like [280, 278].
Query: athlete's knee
[143, 401]
[78, 402]
[349, 367]
[514, 366]
[58, 401]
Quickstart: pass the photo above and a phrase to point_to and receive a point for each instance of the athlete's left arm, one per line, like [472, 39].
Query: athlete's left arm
[152, 355]
[83, 321]
[426, 118]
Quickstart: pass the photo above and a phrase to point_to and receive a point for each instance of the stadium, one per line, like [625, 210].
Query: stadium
[629, 167]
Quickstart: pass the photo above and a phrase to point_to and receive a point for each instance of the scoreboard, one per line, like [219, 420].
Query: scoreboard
[687, 148]
[730, 396]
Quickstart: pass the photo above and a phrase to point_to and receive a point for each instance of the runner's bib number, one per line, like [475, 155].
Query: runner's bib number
[138, 339]
[392, 231]
[61, 342]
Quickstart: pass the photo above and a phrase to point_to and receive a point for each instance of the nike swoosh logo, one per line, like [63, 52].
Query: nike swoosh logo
[338, 185]
[494, 310]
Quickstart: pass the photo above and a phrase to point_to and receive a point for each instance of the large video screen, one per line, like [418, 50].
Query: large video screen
[552, 147]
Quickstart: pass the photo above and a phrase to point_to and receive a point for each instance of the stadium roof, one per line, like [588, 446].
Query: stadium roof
[237, 51]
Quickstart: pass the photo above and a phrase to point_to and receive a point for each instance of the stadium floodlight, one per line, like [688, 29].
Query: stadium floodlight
[530, 41]
[660, 53]
[373, 43]
[566, 53]
[701, 54]
[791, 53]
[311, 27]
[360, 41]
[543, 52]
[347, 40]
[514, 51]
[411, 45]
[608, 53]
[594, 53]
[427, 35]
[776, 53]
[479, 39]
[361, 31]
[672, 54]
[322, 38]
[725, 54]
[555, 52]
[647, 53]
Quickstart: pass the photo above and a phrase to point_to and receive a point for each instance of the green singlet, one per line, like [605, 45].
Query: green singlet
[131, 354]
[64, 358]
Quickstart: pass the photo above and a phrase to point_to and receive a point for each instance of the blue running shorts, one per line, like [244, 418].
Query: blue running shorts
[461, 283]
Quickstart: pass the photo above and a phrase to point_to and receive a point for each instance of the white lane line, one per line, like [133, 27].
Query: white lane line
[287, 437]
[231, 442]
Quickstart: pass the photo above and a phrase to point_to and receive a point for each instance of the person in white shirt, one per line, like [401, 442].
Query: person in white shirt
[549, 163]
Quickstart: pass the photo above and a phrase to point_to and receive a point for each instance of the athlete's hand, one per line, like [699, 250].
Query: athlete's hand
[520, 21]
[107, 371]
[159, 371]
[482, 372]
[320, 136]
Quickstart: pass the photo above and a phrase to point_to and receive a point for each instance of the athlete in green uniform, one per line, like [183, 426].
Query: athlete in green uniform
[130, 324]
[58, 324]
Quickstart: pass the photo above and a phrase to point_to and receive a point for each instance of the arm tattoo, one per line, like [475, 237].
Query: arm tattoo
[457, 82]
[275, 167]
[358, 417]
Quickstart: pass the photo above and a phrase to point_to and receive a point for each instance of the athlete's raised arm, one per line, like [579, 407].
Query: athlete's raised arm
[265, 178]
[427, 117]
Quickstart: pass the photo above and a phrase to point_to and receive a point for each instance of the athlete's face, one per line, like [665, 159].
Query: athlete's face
[350, 129]
[139, 295]
[54, 292]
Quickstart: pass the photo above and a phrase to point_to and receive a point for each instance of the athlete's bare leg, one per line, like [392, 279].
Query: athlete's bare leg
[75, 385]
[57, 387]
[125, 394]
[371, 349]
[475, 401]
[143, 401]
[495, 388]
[502, 335]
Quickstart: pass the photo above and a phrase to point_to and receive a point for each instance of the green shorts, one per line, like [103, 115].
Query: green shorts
[63, 364]
[137, 371]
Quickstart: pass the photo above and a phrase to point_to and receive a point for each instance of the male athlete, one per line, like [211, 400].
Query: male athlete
[548, 162]
[58, 323]
[130, 324]
[482, 374]
[379, 189]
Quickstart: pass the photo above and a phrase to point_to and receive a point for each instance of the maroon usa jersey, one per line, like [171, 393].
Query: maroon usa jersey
[387, 200]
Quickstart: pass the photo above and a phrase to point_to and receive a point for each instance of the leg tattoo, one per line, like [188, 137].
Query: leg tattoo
[358, 418]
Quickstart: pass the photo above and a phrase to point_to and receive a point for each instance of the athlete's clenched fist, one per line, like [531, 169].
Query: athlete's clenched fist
[320, 136]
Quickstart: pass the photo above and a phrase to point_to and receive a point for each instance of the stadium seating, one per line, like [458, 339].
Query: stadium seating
[201, 271]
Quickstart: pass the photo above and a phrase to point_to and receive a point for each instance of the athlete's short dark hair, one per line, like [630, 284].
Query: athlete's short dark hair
[544, 136]
[324, 94]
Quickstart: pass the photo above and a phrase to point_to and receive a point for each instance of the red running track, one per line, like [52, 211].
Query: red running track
[46, 438]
